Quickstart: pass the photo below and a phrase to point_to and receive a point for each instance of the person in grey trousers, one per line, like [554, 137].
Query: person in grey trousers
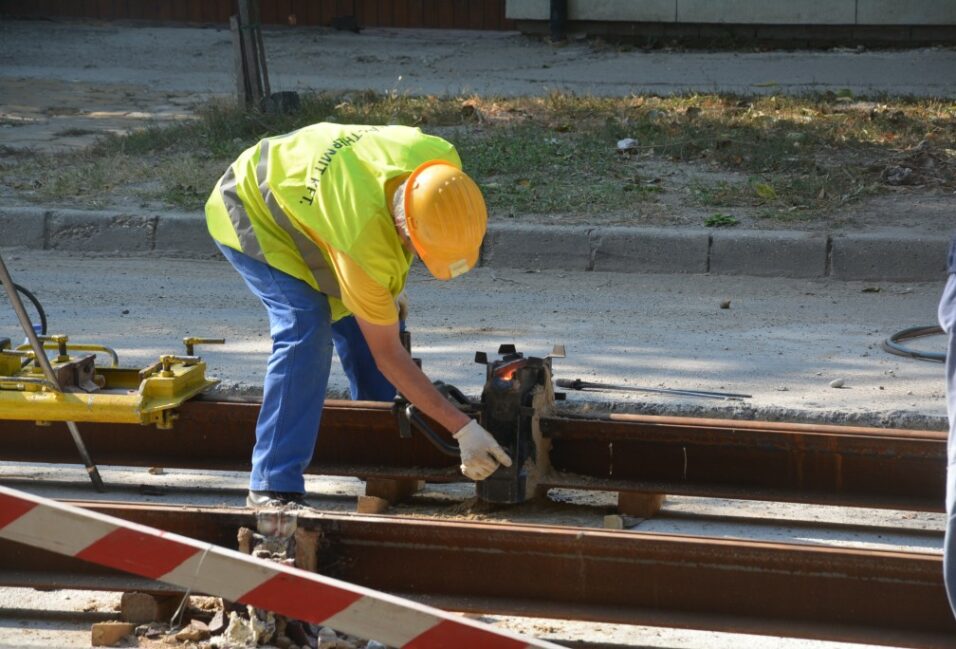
[947, 320]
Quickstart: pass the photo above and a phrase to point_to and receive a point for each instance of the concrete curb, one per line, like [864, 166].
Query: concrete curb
[866, 256]
[761, 253]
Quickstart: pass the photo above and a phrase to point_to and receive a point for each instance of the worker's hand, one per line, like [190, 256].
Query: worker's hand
[401, 303]
[480, 453]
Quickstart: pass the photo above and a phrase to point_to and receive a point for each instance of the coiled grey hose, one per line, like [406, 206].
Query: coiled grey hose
[893, 346]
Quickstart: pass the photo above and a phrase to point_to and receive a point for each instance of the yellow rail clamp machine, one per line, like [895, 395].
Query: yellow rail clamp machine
[75, 388]
[89, 391]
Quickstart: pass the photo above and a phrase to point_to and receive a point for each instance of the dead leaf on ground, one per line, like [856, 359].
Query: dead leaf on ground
[765, 191]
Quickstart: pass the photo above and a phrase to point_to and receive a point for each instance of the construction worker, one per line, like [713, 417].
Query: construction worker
[947, 320]
[323, 224]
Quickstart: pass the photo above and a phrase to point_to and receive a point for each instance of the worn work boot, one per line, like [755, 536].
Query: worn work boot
[276, 499]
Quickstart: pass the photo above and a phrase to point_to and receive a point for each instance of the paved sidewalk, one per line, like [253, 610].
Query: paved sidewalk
[887, 255]
[453, 62]
[63, 83]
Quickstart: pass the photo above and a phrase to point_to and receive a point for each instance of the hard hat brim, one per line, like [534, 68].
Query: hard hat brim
[446, 268]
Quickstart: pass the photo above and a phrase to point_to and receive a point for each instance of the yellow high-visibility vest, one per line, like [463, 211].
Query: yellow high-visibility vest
[286, 199]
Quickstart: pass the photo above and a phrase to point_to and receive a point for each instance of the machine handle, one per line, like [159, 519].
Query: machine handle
[439, 442]
[79, 347]
[191, 341]
[455, 395]
[408, 415]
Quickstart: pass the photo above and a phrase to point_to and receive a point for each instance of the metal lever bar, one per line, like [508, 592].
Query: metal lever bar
[408, 415]
[44, 363]
[191, 341]
[437, 440]
[80, 347]
[456, 396]
[578, 384]
[27, 380]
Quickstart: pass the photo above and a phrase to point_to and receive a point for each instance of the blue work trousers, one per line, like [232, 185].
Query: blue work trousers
[298, 372]
[947, 320]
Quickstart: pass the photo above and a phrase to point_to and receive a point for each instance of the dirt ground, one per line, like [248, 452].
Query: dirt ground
[64, 84]
[781, 340]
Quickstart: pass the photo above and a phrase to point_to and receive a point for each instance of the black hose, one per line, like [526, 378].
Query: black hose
[36, 305]
[893, 346]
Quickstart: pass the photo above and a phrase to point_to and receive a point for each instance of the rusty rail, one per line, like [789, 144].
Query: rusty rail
[806, 591]
[810, 463]
[836, 465]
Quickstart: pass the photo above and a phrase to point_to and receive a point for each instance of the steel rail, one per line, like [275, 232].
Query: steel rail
[805, 591]
[808, 463]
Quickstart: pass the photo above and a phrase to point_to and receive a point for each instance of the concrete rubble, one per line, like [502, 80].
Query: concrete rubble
[211, 623]
[109, 634]
[249, 627]
[230, 626]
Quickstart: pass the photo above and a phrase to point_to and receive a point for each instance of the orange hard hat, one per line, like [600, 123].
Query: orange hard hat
[446, 218]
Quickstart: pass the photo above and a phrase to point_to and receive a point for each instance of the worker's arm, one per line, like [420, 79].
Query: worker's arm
[480, 453]
[377, 314]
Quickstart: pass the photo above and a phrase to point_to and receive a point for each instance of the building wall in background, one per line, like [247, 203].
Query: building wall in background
[800, 22]
[764, 12]
[440, 14]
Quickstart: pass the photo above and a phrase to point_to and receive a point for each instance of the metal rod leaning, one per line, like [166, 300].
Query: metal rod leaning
[44, 363]
[578, 384]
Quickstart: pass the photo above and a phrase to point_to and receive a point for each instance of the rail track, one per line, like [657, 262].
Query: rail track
[874, 596]
[797, 590]
[774, 461]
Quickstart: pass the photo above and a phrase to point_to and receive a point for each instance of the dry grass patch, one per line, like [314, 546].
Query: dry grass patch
[789, 157]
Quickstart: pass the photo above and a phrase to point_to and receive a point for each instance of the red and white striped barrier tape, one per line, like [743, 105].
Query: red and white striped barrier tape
[206, 568]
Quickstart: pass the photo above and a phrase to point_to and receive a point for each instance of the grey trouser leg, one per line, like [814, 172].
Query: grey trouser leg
[947, 320]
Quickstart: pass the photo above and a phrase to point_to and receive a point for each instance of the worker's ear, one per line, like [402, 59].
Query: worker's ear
[395, 194]
[391, 185]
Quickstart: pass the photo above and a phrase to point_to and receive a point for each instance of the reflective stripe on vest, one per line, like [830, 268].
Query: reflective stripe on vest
[308, 249]
[239, 217]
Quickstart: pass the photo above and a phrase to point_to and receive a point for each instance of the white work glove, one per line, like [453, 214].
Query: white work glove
[480, 453]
